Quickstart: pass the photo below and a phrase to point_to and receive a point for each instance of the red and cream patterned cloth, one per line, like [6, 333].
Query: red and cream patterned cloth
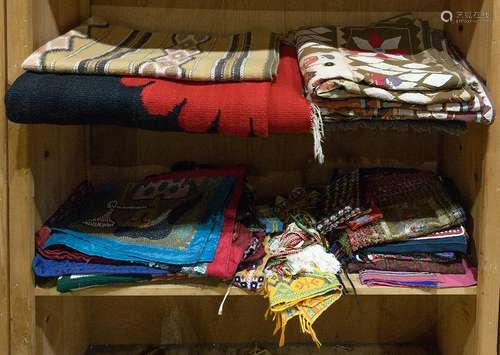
[396, 69]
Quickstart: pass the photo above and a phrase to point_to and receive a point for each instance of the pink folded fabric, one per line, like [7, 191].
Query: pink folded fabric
[420, 279]
[463, 280]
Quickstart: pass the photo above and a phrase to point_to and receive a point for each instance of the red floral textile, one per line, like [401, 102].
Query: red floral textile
[239, 108]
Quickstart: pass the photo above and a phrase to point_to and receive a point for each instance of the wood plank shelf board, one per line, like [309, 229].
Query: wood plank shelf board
[219, 289]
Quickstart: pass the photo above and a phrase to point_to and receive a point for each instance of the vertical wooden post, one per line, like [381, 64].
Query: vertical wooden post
[4, 236]
[30, 23]
[489, 244]
[21, 217]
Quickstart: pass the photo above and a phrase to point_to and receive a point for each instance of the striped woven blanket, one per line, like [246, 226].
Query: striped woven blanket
[100, 48]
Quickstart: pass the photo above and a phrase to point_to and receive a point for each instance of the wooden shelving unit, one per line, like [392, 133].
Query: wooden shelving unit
[41, 164]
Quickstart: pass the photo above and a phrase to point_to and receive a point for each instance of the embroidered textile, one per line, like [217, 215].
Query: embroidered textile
[292, 241]
[100, 48]
[252, 277]
[300, 201]
[228, 256]
[176, 218]
[426, 78]
[413, 204]
[229, 253]
[43, 267]
[343, 201]
[408, 265]
[306, 296]
[367, 109]
[452, 240]
[421, 257]
[335, 60]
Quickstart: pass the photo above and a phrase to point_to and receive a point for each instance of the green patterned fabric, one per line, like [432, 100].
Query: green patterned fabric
[306, 297]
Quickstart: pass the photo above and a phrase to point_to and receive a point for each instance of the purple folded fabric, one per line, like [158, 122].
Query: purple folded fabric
[387, 264]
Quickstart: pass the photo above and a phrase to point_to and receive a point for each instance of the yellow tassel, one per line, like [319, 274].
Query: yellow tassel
[302, 324]
[282, 337]
[267, 313]
[308, 328]
[277, 326]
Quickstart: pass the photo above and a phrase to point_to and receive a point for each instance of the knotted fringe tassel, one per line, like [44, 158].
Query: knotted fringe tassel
[318, 132]
[307, 327]
[221, 307]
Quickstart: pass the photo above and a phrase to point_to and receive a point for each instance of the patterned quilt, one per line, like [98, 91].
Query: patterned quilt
[397, 69]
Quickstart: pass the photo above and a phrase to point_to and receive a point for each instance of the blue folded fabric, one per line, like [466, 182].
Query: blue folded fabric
[163, 220]
[43, 267]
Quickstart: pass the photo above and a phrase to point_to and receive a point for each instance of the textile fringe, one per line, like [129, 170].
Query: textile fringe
[221, 307]
[320, 124]
[318, 132]
[455, 128]
[305, 326]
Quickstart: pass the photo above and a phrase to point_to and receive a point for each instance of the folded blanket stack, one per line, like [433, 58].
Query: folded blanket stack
[420, 233]
[174, 225]
[240, 85]
[396, 69]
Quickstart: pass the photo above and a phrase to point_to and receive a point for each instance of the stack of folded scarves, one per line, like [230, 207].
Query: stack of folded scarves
[394, 70]
[176, 225]
[418, 241]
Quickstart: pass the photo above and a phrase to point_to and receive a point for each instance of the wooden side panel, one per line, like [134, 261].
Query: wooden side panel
[4, 236]
[456, 325]
[463, 161]
[187, 320]
[45, 162]
[21, 217]
[489, 243]
[474, 37]
[472, 162]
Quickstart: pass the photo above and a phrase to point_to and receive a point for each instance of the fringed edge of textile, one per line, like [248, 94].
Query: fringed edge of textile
[305, 325]
[455, 128]
[318, 132]
[319, 125]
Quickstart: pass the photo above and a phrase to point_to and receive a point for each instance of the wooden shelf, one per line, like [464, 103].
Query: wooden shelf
[205, 288]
